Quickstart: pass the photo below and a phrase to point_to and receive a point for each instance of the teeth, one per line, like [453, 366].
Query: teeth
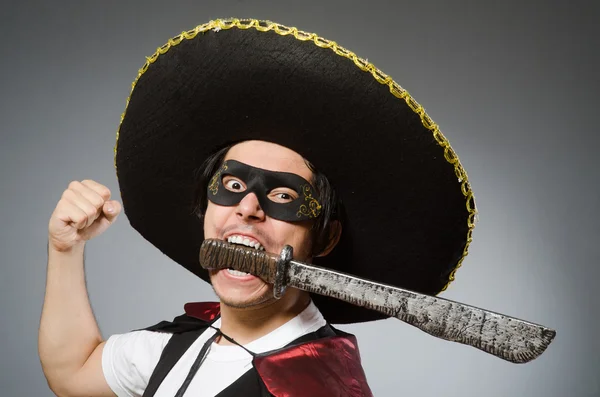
[237, 273]
[245, 241]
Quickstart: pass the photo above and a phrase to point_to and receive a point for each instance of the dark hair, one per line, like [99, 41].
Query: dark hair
[322, 228]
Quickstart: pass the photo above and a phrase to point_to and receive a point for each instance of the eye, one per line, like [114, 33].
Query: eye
[283, 195]
[233, 184]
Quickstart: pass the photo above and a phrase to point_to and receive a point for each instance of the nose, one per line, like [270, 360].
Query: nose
[249, 209]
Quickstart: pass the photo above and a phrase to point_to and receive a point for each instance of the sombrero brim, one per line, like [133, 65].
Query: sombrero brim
[409, 207]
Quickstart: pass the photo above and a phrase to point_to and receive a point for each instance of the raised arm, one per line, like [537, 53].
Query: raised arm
[70, 343]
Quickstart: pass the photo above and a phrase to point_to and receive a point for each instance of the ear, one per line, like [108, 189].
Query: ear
[335, 233]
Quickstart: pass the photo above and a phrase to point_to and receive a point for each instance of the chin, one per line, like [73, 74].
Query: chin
[255, 293]
[245, 303]
[242, 298]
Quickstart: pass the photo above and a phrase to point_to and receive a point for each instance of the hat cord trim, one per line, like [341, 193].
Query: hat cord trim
[364, 65]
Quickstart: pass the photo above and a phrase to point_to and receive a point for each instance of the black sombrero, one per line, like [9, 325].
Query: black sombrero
[409, 207]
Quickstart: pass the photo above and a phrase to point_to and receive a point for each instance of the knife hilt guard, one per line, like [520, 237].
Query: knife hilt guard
[282, 263]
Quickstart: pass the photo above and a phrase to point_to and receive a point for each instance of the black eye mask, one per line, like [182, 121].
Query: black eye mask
[262, 182]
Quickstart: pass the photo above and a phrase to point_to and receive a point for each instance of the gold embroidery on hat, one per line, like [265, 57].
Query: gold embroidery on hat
[213, 186]
[364, 65]
[312, 209]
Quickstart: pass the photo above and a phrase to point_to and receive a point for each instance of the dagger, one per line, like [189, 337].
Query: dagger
[508, 338]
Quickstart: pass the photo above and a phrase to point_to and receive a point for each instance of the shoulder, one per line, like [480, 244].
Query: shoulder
[143, 346]
[129, 359]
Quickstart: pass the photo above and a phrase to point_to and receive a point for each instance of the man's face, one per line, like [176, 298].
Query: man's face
[246, 221]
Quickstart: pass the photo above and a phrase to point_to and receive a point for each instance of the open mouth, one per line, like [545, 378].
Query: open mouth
[245, 241]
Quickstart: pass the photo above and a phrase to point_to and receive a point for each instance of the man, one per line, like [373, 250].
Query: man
[240, 131]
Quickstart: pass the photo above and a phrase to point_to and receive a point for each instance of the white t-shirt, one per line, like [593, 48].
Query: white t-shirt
[129, 359]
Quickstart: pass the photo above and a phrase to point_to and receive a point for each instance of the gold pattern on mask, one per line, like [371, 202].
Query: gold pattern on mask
[312, 208]
[213, 186]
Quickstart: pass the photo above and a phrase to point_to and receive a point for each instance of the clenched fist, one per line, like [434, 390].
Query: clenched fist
[83, 212]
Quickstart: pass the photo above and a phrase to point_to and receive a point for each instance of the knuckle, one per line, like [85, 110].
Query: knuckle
[95, 200]
[74, 184]
[69, 193]
[80, 218]
[104, 192]
[91, 212]
[98, 202]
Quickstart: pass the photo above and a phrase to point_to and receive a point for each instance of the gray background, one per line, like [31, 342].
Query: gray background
[513, 86]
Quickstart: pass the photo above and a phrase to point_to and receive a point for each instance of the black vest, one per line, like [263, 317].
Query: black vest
[186, 330]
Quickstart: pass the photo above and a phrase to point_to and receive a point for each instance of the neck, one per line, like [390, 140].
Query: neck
[245, 325]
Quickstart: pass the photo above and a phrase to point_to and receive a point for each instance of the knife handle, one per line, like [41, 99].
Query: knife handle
[219, 254]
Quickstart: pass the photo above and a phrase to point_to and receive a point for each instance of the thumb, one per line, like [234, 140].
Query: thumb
[111, 209]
